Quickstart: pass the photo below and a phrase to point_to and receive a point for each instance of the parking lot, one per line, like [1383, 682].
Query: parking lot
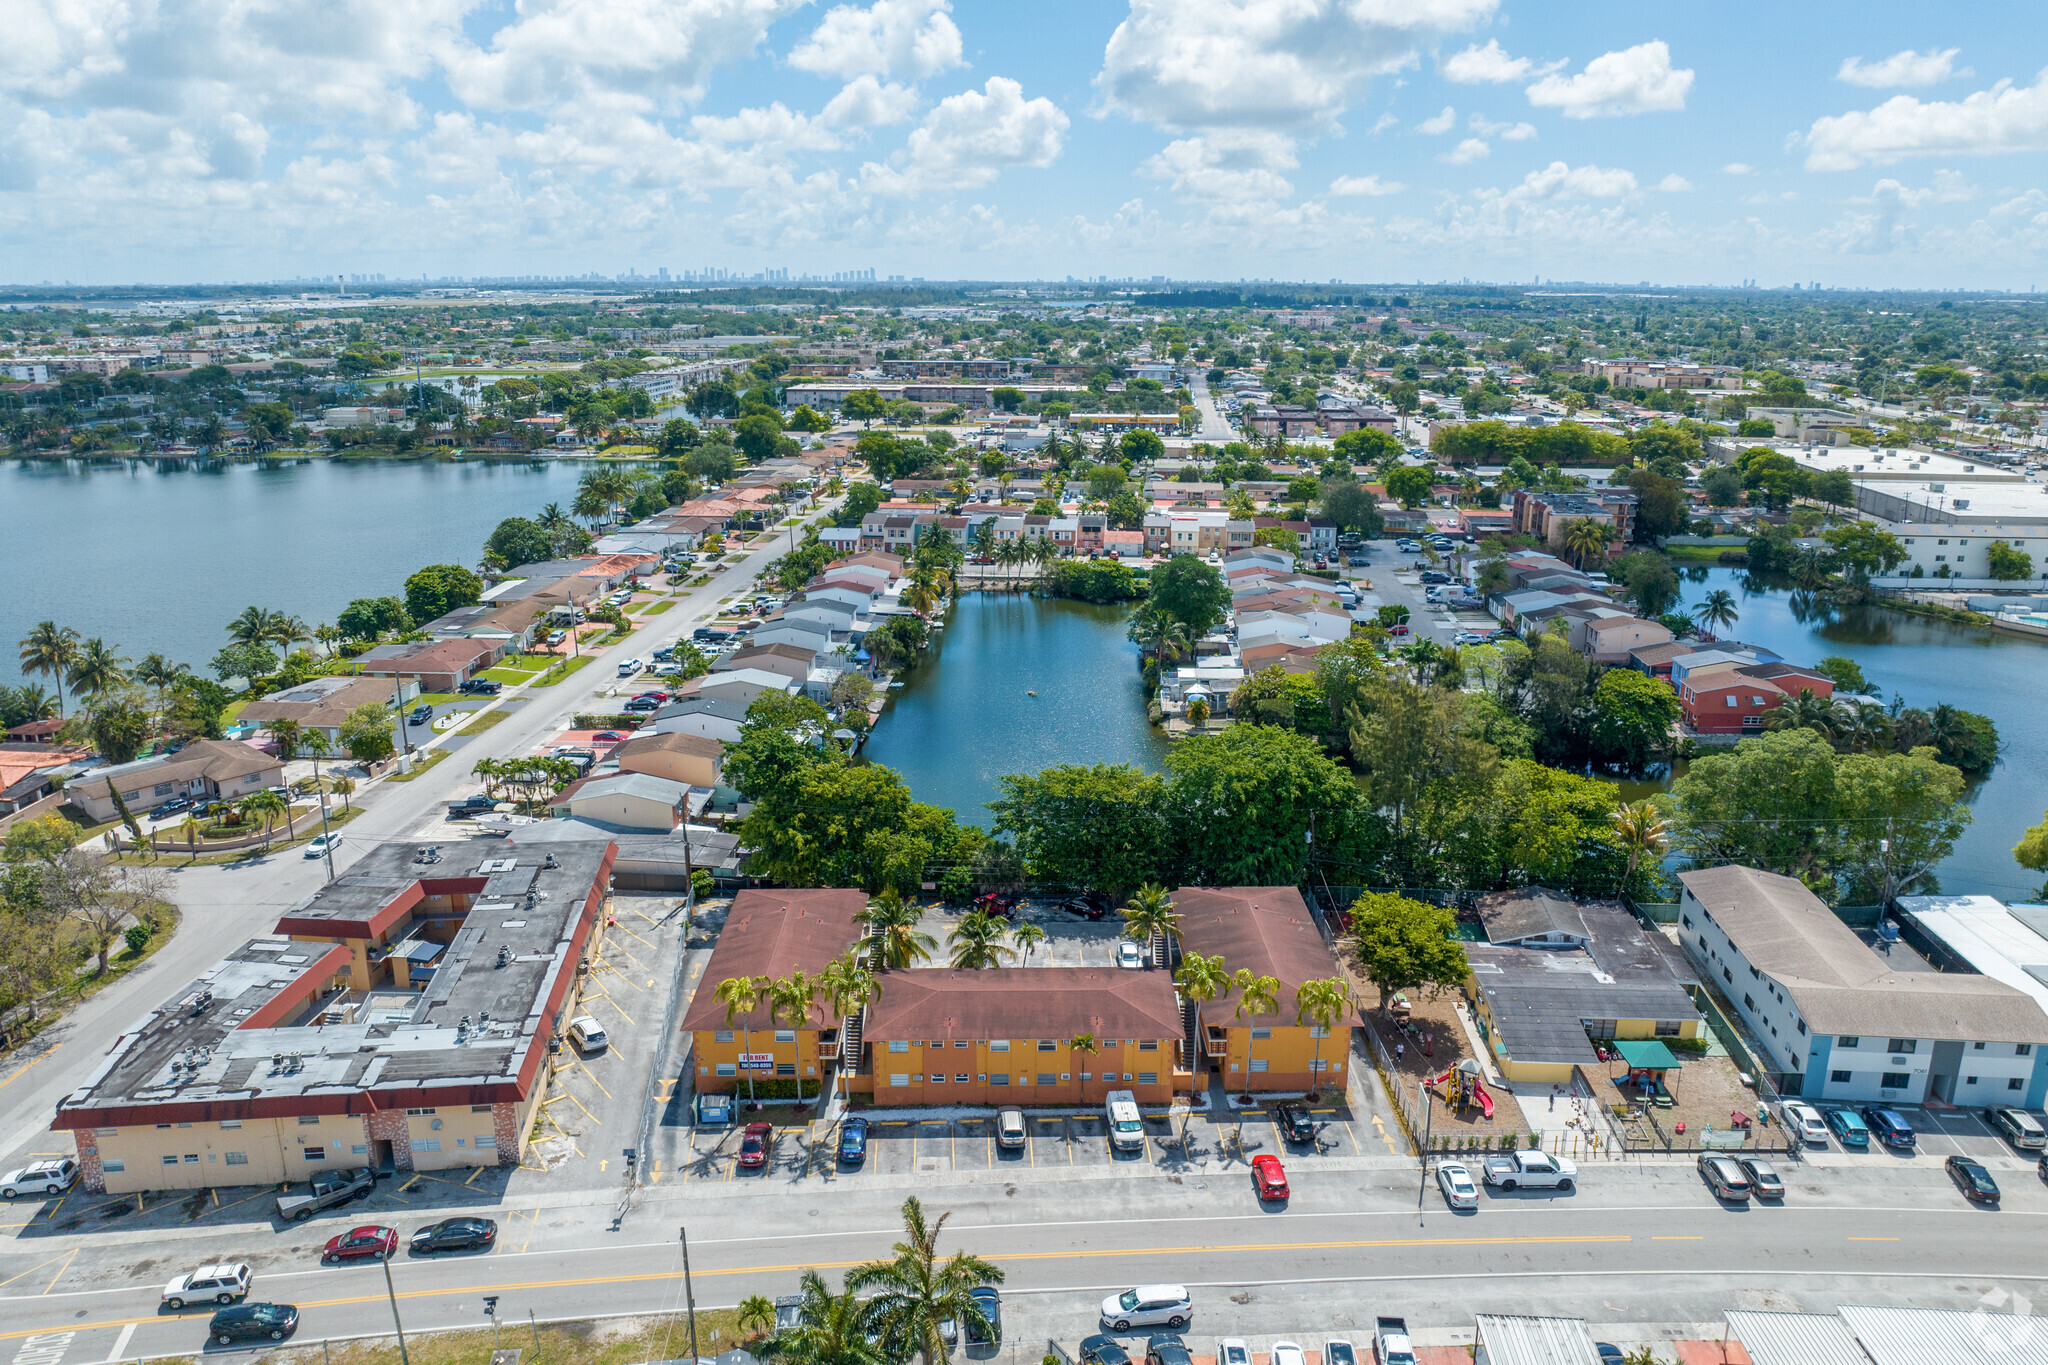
[1070, 940]
[1938, 1134]
[1055, 1142]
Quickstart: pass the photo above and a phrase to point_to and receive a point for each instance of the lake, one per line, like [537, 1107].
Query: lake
[1927, 662]
[966, 714]
[161, 558]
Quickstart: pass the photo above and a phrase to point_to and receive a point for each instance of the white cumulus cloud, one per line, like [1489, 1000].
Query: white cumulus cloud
[968, 139]
[891, 38]
[1636, 80]
[1467, 151]
[1506, 132]
[1283, 64]
[1439, 123]
[1491, 65]
[1221, 167]
[1368, 186]
[1561, 181]
[1903, 68]
[1674, 183]
[867, 103]
[2005, 118]
[1738, 168]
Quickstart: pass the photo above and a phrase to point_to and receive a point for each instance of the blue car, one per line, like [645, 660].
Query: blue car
[1849, 1130]
[1891, 1130]
[853, 1141]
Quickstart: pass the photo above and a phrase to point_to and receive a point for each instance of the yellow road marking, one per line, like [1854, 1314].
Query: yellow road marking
[474, 1174]
[408, 1184]
[593, 1079]
[586, 1113]
[30, 1066]
[52, 1260]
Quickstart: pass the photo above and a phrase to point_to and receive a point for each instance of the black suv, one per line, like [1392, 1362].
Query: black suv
[254, 1322]
[1294, 1123]
[483, 687]
[1167, 1349]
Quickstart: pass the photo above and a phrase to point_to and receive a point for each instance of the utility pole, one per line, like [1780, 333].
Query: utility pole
[1428, 1120]
[392, 1294]
[689, 1295]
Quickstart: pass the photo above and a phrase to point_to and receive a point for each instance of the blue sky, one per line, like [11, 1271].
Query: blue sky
[1371, 140]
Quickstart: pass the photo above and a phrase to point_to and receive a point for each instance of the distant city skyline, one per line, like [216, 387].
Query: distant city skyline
[1866, 146]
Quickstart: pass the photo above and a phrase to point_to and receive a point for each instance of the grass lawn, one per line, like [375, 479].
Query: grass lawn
[656, 608]
[479, 722]
[1699, 554]
[567, 667]
[337, 816]
[233, 709]
[435, 698]
[421, 763]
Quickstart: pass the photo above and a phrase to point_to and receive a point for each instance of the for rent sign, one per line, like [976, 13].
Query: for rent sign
[757, 1061]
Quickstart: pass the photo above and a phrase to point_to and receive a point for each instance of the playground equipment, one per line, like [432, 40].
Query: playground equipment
[1399, 1008]
[1462, 1088]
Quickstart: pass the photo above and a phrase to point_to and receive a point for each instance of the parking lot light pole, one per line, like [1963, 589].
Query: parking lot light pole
[392, 1294]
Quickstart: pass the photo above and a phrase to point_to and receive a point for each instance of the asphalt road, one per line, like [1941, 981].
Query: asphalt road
[1215, 426]
[224, 905]
[1633, 1244]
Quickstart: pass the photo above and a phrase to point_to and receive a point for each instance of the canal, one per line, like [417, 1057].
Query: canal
[160, 558]
[1926, 662]
[1016, 684]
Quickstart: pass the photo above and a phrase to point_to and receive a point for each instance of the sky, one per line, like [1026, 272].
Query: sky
[1857, 145]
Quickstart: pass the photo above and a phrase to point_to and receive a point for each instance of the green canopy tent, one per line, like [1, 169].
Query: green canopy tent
[1648, 1060]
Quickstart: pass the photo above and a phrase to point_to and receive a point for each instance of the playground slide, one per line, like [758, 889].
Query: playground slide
[1485, 1100]
[1439, 1080]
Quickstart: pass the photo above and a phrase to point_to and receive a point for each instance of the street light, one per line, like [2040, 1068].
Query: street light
[392, 1294]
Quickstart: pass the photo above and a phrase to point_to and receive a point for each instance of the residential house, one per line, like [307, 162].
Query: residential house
[791, 661]
[322, 704]
[1124, 544]
[1270, 931]
[803, 632]
[692, 760]
[717, 718]
[204, 770]
[1007, 1036]
[437, 665]
[1839, 1022]
[29, 772]
[770, 934]
[740, 685]
[1607, 635]
[629, 800]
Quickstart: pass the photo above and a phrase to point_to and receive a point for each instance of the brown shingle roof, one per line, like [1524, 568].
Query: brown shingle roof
[1266, 928]
[1024, 1002]
[773, 933]
[674, 743]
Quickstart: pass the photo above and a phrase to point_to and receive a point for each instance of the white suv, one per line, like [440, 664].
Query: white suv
[208, 1284]
[1149, 1305]
[44, 1177]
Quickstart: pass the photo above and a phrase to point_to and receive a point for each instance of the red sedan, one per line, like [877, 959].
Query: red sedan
[754, 1145]
[1269, 1177]
[372, 1243]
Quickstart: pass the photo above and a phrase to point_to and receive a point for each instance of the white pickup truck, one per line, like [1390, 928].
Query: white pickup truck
[1536, 1170]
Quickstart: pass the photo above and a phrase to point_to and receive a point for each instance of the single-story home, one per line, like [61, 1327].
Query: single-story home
[205, 769]
[629, 800]
[324, 703]
[693, 760]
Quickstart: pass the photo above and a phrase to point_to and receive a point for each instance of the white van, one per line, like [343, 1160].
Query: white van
[1126, 1124]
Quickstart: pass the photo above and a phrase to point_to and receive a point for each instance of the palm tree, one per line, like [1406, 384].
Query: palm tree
[914, 1294]
[97, 670]
[290, 735]
[1026, 936]
[1201, 980]
[267, 806]
[742, 995]
[31, 702]
[851, 987]
[756, 1315]
[1810, 568]
[1321, 1004]
[286, 631]
[328, 634]
[1256, 995]
[1586, 537]
[924, 590]
[1153, 629]
[252, 627]
[831, 1329]
[342, 787]
[1863, 726]
[1804, 712]
[1643, 831]
[1716, 610]
[790, 998]
[1149, 918]
[160, 674]
[977, 942]
[50, 649]
[892, 922]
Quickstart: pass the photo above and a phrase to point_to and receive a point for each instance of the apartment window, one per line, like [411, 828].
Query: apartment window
[1685, 920]
[359, 1149]
[1969, 1080]
[1669, 1028]
[1895, 1080]
[1047, 1078]
[1839, 1077]
[1801, 1023]
[1258, 1063]
[998, 1078]
[1727, 975]
[2014, 1083]
[415, 1113]
[1087, 1075]
[480, 1109]
[1047, 1045]
[961, 1078]
[426, 1144]
[999, 1045]
[1703, 940]
[1748, 1002]
[1262, 1033]
[785, 1035]
[486, 1143]
[2022, 1049]
[113, 1165]
[785, 1068]
[938, 1080]
[170, 1161]
[314, 1153]
[1148, 1078]
[1848, 1042]
[238, 1158]
[1152, 1044]
[721, 1035]
[231, 1123]
[1901, 1044]
[899, 1045]
[959, 1042]
[1730, 700]
[727, 1069]
[1755, 975]
[899, 1078]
